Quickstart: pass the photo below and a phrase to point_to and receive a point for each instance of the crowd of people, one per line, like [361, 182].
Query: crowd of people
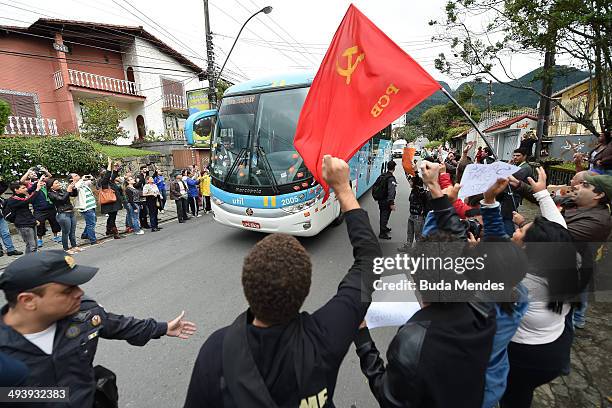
[38, 198]
[470, 353]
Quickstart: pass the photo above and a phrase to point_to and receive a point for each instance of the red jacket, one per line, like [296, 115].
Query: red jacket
[460, 207]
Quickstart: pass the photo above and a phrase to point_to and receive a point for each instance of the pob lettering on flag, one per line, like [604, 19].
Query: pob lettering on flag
[365, 82]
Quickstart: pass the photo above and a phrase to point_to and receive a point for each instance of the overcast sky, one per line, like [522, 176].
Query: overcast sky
[294, 36]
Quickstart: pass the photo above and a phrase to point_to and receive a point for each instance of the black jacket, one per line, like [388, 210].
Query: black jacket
[74, 348]
[61, 199]
[391, 191]
[21, 207]
[108, 181]
[295, 364]
[438, 359]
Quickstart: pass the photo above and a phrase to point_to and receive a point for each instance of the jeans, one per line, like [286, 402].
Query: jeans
[28, 234]
[67, 220]
[415, 227]
[152, 207]
[193, 205]
[164, 198]
[579, 313]
[142, 215]
[46, 215]
[90, 225]
[132, 215]
[111, 222]
[6, 236]
[180, 211]
[207, 200]
[385, 213]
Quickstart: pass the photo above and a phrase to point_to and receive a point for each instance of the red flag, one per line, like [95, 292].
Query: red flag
[365, 82]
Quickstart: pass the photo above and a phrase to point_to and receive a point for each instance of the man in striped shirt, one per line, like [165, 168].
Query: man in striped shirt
[85, 203]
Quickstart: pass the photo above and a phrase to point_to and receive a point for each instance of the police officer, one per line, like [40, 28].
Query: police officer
[54, 330]
[387, 203]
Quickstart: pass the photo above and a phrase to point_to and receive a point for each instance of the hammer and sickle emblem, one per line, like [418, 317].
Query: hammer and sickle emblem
[348, 71]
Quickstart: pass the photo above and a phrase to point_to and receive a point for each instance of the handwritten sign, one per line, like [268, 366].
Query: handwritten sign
[477, 178]
[385, 314]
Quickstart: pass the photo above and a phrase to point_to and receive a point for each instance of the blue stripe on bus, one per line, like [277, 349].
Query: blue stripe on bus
[283, 200]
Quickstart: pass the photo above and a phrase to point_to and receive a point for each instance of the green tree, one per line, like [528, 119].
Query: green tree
[5, 112]
[101, 120]
[222, 85]
[435, 122]
[409, 132]
[576, 29]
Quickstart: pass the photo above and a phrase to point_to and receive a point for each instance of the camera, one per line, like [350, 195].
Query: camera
[39, 171]
[87, 177]
[472, 225]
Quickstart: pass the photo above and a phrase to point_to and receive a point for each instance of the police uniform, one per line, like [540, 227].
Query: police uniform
[76, 336]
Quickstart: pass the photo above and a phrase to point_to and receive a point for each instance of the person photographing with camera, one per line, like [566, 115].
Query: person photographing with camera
[44, 210]
[18, 211]
[85, 204]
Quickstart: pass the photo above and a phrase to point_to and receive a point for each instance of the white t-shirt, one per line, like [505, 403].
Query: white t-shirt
[540, 325]
[44, 339]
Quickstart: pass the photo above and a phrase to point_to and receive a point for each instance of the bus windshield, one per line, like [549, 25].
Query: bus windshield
[253, 140]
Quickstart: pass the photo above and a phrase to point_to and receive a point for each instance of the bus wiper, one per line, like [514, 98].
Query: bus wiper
[268, 168]
[241, 153]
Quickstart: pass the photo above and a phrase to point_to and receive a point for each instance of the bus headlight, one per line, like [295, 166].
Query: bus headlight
[217, 201]
[296, 208]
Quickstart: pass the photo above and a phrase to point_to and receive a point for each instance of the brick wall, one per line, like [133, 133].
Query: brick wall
[31, 75]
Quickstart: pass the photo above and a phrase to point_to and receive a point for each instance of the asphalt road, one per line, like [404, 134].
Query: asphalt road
[196, 267]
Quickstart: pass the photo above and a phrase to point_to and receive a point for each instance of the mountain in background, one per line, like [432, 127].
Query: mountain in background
[504, 94]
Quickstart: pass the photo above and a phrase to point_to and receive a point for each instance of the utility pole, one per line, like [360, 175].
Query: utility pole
[210, 61]
[547, 88]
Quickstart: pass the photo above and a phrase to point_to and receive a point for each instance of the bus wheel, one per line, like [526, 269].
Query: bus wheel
[338, 221]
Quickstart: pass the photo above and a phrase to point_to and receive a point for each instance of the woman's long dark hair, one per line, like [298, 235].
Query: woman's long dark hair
[505, 262]
[552, 255]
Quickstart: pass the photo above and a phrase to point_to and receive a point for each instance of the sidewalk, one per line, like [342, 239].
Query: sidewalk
[169, 214]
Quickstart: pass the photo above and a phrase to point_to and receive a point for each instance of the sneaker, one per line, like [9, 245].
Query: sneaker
[141, 232]
[57, 239]
[161, 211]
[383, 236]
[579, 325]
[40, 243]
[405, 248]
[198, 216]
[388, 229]
[128, 230]
[14, 253]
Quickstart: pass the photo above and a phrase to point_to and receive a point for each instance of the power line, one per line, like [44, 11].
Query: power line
[305, 56]
[248, 29]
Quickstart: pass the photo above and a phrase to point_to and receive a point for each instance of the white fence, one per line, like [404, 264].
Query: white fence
[20, 125]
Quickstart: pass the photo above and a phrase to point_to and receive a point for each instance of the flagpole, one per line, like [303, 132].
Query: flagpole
[474, 124]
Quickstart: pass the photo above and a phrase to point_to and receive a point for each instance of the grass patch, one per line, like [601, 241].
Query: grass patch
[568, 167]
[119, 152]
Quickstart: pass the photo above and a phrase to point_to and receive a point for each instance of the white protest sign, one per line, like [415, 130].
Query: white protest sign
[477, 178]
[384, 314]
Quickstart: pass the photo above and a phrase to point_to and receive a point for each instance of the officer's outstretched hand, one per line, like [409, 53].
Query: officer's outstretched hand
[180, 328]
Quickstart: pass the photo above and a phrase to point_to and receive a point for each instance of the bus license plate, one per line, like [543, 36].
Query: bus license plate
[251, 224]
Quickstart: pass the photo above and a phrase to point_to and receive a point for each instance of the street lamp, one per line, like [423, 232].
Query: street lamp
[265, 10]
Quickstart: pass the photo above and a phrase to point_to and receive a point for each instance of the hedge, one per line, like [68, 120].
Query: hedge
[60, 155]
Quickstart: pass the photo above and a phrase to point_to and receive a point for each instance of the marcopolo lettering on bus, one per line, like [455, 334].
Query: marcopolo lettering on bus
[384, 100]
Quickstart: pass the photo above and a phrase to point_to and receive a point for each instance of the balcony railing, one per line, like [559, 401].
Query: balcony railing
[20, 125]
[99, 82]
[175, 134]
[175, 102]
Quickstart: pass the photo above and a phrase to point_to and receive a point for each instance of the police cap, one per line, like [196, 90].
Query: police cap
[39, 268]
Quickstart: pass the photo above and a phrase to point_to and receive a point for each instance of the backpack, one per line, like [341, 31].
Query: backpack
[380, 189]
[8, 213]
